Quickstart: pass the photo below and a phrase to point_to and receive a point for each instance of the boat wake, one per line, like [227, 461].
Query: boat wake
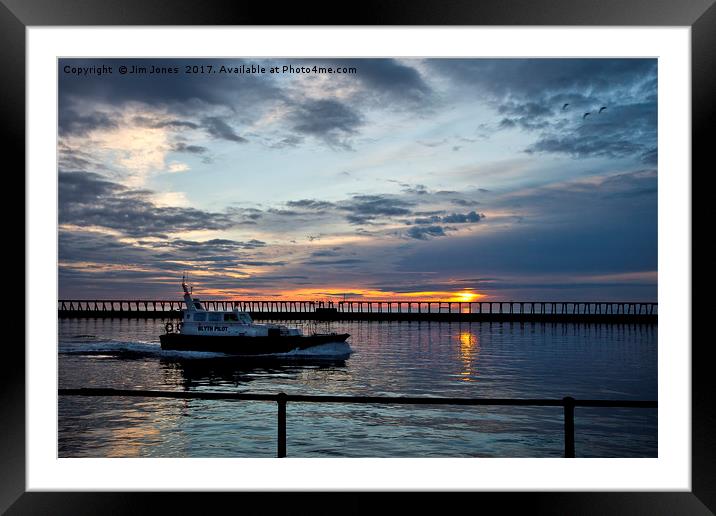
[135, 349]
[129, 349]
[332, 350]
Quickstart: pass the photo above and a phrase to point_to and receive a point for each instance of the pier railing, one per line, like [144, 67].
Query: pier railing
[565, 308]
[567, 403]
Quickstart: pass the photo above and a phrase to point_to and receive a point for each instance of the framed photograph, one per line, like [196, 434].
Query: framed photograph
[424, 249]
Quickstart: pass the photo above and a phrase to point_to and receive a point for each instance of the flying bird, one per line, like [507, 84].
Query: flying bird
[602, 109]
[585, 115]
[565, 106]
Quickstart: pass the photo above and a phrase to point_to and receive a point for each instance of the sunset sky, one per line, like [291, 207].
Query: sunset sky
[458, 179]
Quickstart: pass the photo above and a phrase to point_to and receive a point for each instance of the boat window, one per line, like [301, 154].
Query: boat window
[231, 316]
[187, 316]
[201, 316]
[214, 316]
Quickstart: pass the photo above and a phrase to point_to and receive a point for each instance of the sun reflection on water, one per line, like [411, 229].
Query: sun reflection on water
[468, 353]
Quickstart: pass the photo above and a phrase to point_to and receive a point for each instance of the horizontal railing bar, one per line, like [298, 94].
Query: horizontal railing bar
[356, 301]
[385, 400]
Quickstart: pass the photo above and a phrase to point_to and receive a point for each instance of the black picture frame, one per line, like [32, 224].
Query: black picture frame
[700, 15]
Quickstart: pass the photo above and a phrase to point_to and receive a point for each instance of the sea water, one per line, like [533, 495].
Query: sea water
[486, 360]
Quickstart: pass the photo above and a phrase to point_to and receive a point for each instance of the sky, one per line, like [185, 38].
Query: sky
[424, 179]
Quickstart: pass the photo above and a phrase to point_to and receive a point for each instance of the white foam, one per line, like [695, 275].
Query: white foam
[138, 347]
[330, 350]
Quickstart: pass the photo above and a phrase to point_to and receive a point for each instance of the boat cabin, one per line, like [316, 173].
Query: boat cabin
[201, 315]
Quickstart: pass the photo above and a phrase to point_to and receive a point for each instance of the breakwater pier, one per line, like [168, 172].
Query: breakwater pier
[477, 311]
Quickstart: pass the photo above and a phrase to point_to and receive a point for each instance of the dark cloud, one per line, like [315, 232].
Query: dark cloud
[460, 218]
[621, 131]
[539, 78]
[389, 78]
[208, 246]
[218, 128]
[80, 188]
[93, 247]
[241, 98]
[259, 263]
[325, 252]
[72, 122]
[415, 189]
[288, 141]
[365, 208]
[154, 270]
[310, 204]
[160, 124]
[183, 92]
[192, 149]
[88, 199]
[531, 94]
[329, 120]
[282, 213]
[425, 232]
[454, 218]
[73, 159]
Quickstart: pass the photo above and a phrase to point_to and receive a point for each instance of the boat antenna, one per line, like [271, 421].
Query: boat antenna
[184, 283]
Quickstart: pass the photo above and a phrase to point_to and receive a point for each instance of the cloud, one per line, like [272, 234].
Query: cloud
[621, 131]
[539, 78]
[328, 120]
[366, 208]
[207, 246]
[277, 111]
[415, 189]
[531, 94]
[88, 199]
[595, 225]
[72, 122]
[218, 128]
[388, 77]
[114, 129]
[161, 124]
[311, 204]
[454, 218]
[287, 141]
[181, 92]
[424, 232]
[325, 252]
[191, 149]
[98, 263]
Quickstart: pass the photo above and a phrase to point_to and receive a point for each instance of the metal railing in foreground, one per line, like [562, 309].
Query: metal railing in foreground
[281, 399]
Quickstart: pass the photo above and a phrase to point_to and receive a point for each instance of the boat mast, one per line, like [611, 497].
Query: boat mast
[187, 293]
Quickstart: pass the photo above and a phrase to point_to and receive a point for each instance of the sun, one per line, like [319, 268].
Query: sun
[466, 296]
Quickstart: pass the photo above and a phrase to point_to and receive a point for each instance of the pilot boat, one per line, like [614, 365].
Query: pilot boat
[234, 332]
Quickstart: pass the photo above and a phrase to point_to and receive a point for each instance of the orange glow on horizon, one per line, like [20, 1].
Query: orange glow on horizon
[336, 294]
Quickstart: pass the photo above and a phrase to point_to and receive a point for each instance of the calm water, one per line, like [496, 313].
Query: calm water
[396, 358]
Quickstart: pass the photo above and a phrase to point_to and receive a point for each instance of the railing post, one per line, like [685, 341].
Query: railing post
[281, 400]
[568, 426]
